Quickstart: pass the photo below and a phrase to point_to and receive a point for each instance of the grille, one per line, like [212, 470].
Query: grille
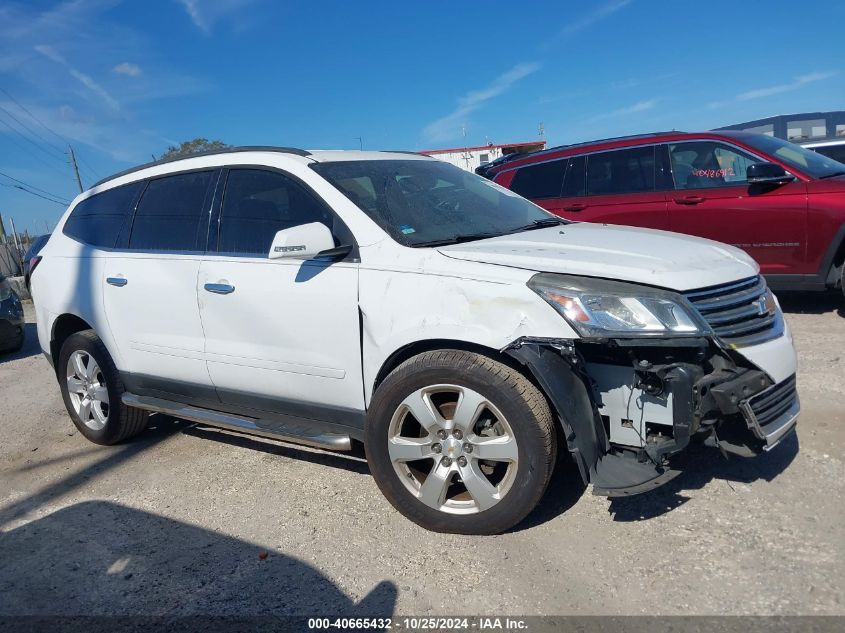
[741, 313]
[772, 413]
[774, 402]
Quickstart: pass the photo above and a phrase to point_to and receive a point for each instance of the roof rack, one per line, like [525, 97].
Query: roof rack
[402, 151]
[211, 152]
[630, 137]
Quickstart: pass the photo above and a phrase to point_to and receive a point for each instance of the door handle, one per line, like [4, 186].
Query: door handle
[576, 206]
[117, 281]
[220, 289]
[689, 200]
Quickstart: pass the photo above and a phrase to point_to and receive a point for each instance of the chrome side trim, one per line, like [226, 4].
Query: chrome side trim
[296, 434]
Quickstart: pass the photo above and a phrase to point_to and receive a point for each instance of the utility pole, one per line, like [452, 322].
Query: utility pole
[75, 168]
[360, 142]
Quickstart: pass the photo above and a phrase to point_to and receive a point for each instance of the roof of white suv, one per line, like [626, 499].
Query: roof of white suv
[320, 156]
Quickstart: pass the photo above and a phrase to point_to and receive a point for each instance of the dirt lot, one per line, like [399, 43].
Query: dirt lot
[179, 520]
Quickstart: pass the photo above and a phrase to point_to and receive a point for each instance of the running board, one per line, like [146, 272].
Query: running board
[296, 432]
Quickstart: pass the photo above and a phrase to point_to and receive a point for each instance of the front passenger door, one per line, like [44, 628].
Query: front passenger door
[712, 199]
[281, 335]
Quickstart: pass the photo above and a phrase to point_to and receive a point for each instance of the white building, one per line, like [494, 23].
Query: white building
[470, 158]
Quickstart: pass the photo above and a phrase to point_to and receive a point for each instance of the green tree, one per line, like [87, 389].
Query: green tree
[193, 147]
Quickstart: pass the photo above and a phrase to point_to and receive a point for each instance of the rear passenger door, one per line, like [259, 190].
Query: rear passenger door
[284, 336]
[150, 288]
[624, 187]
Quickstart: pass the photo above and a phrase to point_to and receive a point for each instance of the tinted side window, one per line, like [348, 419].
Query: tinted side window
[258, 203]
[172, 214]
[575, 182]
[97, 220]
[707, 164]
[543, 180]
[621, 171]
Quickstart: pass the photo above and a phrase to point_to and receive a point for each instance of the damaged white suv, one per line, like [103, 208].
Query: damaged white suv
[466, 336]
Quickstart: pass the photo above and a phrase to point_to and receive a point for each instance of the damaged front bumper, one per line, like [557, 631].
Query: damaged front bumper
[626, 406]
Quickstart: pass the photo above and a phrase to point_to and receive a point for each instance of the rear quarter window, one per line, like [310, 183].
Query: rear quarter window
[98, 220]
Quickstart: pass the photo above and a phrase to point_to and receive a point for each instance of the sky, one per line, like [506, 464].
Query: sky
[122, 81]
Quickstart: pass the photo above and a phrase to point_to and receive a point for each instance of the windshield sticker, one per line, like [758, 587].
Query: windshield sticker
[407, 229]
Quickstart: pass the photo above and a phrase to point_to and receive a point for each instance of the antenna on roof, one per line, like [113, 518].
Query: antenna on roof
[541, 130]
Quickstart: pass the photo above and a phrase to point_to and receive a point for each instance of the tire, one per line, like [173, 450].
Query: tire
[498, 413]
[18, 346]
[105, 421]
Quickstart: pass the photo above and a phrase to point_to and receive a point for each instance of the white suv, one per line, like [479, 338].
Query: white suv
[463, 334]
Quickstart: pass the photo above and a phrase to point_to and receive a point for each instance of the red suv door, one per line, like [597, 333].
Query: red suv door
[712, 199]
[622, 189]
[617, 187]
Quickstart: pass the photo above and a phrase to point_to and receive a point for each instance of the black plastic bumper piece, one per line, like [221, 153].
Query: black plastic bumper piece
[557, 369]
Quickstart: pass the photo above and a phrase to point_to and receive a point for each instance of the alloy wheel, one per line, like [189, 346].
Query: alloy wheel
[453, 449]
[87, 389]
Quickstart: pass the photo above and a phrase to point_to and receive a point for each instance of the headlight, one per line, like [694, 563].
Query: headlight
[599, 308]
[5, 289]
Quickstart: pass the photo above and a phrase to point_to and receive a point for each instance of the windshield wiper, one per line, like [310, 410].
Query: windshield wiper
[456, 239]
[833, 175]
[539, 224]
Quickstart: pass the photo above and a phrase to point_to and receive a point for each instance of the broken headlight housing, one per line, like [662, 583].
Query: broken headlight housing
[601, 308]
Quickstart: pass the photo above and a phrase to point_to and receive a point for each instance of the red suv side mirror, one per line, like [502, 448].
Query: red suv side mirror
[768, 173]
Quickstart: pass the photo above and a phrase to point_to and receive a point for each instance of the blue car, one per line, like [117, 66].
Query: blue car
[11, 318]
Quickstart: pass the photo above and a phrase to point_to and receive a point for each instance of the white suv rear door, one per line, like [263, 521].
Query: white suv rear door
[281, 335]
[150, 287]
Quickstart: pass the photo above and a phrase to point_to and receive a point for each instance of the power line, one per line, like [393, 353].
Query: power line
[26, 149]
[59, 202]
[26, 184]
[64, 140]
[31, 131]
[35, 118]
[21, 134]
[85, 164]
[29, 140]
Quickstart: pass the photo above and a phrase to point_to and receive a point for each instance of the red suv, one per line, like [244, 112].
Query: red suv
[783, 204]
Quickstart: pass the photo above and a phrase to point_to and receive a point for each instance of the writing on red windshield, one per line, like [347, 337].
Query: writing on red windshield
[714, 173]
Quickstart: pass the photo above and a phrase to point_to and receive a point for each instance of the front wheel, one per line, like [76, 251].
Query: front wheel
[459, 442]
[92, 389]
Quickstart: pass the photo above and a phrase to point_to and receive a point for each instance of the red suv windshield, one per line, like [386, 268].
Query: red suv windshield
[811, 163]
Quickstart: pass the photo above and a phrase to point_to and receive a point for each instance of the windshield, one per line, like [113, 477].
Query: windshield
[423, 202]
[811, 163]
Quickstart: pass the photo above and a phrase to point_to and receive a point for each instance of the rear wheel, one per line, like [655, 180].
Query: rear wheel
[92, 389]
[459, 442]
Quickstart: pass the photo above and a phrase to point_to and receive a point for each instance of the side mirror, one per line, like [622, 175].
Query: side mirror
[302, 242]
[767, 173]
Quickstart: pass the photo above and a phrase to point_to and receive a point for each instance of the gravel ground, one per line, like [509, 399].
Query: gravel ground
[187, 520]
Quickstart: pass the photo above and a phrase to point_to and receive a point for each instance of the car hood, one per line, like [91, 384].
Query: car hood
[656, 258]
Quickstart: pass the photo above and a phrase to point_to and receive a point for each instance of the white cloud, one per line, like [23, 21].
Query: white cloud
[204, 13]
[640, 106]
[125, 68]
[85, 80]
[602, 12]
[448, 127]
[759, 93]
